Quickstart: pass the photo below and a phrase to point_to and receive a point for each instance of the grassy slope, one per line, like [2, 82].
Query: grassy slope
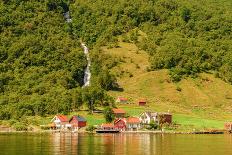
[203, 102]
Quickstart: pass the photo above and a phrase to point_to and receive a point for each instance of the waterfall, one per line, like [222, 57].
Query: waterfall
[87, 75]
[67, 17]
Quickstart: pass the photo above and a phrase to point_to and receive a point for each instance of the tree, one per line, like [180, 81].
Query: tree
[108, 113]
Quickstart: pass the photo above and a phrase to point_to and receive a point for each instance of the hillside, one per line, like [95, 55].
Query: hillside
[176, 54]
[204, 96]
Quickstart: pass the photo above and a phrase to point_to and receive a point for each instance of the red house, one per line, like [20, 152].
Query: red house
[120, 124]
[119, 113]
[142, 102]
[77, 122]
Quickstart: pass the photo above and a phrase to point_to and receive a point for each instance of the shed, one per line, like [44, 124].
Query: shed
[121, 100]
[119, 113]
[165, 118]
[77, 121]
[142, 102]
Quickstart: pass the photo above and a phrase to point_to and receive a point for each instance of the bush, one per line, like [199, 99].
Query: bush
[178, 88]
[20, 126]
[90, 128]
[153, 125]
[108, 113]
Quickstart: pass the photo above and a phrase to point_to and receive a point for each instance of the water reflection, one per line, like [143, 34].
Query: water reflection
[117, 144]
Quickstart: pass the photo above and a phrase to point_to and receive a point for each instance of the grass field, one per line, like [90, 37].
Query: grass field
[204, 101]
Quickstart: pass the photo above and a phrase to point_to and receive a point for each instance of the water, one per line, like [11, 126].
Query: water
[87, 75]
[67, 17]
[116, 144]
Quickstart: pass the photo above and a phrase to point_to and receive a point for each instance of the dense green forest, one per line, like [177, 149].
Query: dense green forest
[42, 63]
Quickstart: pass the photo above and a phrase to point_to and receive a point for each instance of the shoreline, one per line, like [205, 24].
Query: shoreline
[124, 132]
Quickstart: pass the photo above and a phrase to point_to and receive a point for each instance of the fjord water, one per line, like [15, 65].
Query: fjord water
[117, 144]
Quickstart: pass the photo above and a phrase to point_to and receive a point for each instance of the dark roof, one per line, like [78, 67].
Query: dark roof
[80, 118]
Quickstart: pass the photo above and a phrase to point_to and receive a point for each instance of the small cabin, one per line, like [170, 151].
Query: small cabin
[119, 113]
[165, 118]
[77, 122]
[142, 102]
[122, 100]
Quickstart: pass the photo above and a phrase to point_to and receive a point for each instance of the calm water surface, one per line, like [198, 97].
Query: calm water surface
[106, 144]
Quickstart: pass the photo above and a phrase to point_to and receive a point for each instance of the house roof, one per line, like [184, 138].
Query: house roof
[118, 111]
[107, 125]
[79, 118]
[133, 120]
[142, 100]
[122, 98]
[62, 118]
[119, 119]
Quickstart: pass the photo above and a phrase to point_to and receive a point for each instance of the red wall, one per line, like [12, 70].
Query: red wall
[120, 125]
[80, 124]
[142, 103]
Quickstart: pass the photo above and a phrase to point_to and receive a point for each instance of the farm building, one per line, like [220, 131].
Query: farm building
[165, 118]
[121, 100]
[142, 102]
[119, 113]
[77, 122]
[120, 124]
[148, 117]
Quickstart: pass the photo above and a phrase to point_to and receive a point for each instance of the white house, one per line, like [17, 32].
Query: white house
[147, 117]
[132, 123]
[60, 122]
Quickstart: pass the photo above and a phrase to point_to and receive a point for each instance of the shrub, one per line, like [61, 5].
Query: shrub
[20, 126]
[90, 128]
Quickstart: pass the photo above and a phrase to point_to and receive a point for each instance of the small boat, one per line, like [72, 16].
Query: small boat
[107, 131]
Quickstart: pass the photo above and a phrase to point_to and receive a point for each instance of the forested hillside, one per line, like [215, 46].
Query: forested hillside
[187, 37]
[42, 63]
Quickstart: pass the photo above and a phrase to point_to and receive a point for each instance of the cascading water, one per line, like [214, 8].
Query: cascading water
[87, 75]
[67, 17]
